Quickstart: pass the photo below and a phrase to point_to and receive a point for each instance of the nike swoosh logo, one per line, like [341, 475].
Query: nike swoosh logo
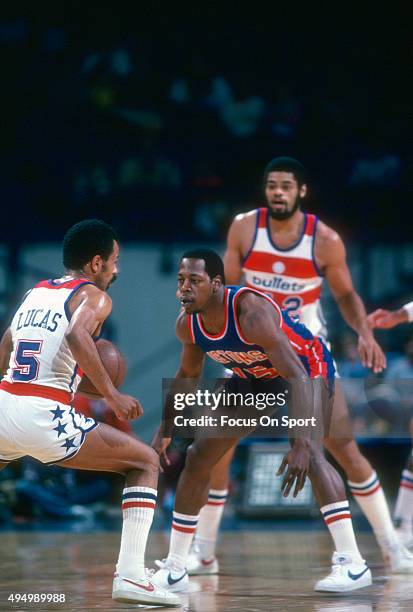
[357, 576]
[147, 587]
[172, 581]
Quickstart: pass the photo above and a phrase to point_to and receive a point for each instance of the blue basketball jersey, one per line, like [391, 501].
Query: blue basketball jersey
[248, 360]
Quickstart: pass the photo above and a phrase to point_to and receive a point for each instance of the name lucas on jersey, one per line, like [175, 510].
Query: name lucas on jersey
[277, 282]
[38, 317]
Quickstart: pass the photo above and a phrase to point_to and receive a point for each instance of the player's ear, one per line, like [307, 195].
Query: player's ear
[216, 283]
[96, 263]
[303, 191]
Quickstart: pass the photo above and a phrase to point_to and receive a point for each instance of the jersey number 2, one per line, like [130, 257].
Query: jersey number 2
[27, 363]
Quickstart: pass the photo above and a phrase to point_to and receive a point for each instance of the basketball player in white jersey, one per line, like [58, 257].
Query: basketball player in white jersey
[48, 345]
[287, 253]
[403, 511]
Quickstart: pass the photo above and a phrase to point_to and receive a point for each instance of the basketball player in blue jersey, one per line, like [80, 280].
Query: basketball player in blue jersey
[289, 254]
[231, 324]
[50, 338]
[403, 511]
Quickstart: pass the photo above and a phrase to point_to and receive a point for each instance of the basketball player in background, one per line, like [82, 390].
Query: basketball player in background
[403, 512]
[49, 343]
[287, 253]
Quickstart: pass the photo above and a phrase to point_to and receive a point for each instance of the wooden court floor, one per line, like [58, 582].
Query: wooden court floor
[261, 571]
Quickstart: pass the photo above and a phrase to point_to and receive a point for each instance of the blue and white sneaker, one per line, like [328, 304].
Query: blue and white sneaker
[169, 579]
[346, 575]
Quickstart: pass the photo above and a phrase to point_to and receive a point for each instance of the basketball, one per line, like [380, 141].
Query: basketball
[114, 364]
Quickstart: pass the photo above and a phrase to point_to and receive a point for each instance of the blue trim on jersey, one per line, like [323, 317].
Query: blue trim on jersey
[296, 326]
[72, 380]
[331, 370]
[312, 248]
[293, 246]
[254, 238]
[71, 294]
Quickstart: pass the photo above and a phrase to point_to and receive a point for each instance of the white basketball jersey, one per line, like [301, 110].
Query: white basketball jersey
[41, 356]
[290, 276]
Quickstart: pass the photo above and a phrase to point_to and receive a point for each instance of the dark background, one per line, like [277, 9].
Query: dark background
[162, 120]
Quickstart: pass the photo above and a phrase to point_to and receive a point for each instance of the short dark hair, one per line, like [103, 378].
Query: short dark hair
[214, 266]
[85, 240]
[286, 164]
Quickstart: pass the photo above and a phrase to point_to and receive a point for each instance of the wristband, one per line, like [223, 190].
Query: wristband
[409, 309]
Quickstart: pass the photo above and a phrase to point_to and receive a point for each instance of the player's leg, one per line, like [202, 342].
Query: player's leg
[191, 495]
[330, 494]
[365, 485]
[110, 450]
[403, 512]
[202, 558]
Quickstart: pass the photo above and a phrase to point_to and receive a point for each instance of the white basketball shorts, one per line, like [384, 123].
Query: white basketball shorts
[41, 428]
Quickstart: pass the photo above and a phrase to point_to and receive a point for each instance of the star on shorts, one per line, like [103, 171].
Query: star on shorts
[69, 443]
[61, 428]
[58, 413]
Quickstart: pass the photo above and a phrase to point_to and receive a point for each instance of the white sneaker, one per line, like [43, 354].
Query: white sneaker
[396, 555]
[168, 579]
[346, 575]
[405, 538]
[197, 566]
[142, 591]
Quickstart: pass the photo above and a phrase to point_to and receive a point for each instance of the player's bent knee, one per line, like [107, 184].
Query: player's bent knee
[196, 461]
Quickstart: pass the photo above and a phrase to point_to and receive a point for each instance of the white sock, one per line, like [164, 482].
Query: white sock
[370, 497]
[337, 517]
[209, 521]
[182, 533]
[404, 503]
[138, 507]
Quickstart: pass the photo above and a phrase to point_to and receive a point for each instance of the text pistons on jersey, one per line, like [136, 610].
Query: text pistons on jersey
[244, 357]
[39, 317]
[277, 282]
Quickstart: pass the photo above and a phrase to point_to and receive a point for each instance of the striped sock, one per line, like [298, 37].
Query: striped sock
[404, 504]
[337, 517]
[370, 497]
[182, 533]
[209, 521]
[138, 507]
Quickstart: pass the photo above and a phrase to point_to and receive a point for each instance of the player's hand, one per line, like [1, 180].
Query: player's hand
[371, 354]
[125, 406]
[160, 444]
[384, 319]
[298, 461]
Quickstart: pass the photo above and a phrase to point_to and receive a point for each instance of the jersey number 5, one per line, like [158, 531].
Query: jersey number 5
[27, 363]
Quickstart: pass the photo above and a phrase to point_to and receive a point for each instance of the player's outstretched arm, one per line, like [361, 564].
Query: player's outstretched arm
[260, 323]
[89, 308]
[191, 367]
[6, 347]
[386, 319]
[331, 253]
